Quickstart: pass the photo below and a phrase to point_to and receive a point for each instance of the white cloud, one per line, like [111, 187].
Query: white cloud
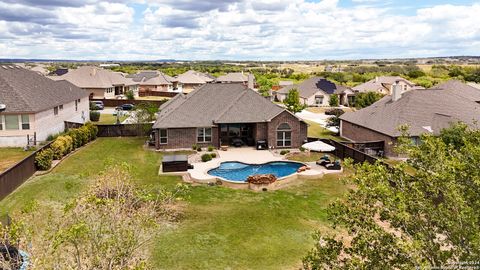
[234, 29]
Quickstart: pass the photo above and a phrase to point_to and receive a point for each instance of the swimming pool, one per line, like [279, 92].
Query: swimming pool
[239, 172]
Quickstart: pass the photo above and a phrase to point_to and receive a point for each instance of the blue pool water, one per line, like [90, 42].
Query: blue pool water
[239, 172]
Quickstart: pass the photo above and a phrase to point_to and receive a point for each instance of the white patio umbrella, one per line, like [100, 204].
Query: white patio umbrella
[318, 146]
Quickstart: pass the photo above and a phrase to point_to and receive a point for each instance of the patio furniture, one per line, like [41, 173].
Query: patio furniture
[175, 163]
[323, 162]
[334, 166]
[237, 142]
[262, 145]
[224, 147]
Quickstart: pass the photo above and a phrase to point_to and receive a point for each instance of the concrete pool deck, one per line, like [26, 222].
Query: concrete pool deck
[199, 173]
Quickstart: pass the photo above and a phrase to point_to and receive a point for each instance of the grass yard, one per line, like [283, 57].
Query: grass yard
[315, 130]
[11, 155]
[323, 109]
[110, 119]
[222, 228]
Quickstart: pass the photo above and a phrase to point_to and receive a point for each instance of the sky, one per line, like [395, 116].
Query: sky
[237, 29]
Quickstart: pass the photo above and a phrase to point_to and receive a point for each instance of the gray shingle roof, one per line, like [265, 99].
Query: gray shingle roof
[94, 77]
[214, 104]
[151, 77]
[424, 111]
[234, 77]
[27, 91]
[461, 89]
[194, 77]
[380, 83]
[311, 86]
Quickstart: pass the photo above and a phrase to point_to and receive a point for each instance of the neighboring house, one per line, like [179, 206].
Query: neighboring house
[152, 80]
[281, 84]
[384, 84]
[191, 80]
[317, 91]
[37, 105]
[423, 110]
[222, 114]
[234, 77]
[476, 85]
[99, 83]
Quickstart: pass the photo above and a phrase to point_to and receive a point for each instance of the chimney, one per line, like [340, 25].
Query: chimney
[250, 81]
[396, 91]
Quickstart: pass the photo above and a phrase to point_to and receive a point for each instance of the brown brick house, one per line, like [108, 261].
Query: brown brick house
[423, 110]
[222, 114]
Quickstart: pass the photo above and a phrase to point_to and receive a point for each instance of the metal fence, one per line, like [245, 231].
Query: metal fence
[16, 175]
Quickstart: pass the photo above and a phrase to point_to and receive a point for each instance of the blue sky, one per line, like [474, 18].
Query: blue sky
[237, 29]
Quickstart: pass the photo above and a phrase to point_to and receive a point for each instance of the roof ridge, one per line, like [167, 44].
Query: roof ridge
[230, 105]
[186, 97]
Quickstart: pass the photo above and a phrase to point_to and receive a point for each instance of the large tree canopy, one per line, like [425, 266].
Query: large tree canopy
[423, 213]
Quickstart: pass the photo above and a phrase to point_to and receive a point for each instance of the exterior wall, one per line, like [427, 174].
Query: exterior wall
[46, 123]
[187, 88]
[184, 138]
[311, 100]
[299, 129]
[358, 133]
[260, 131]
[101, 93]
[159, 88]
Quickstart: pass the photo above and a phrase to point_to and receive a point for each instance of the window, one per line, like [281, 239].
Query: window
[11, 122]
[162, 134]
[204, 135]
[25, 122]
[318, 100]
[60, 107]
[284, 135]
[55, 110]
[76, 105]
[1, 122]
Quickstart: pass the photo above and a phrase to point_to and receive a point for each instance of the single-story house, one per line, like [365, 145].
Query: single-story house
[317, 91]
[225, 114]
[99, 83]
[384, 84]
[152, 80]
[37, 105]
[191, 80]
[423, 110]
[235, 77]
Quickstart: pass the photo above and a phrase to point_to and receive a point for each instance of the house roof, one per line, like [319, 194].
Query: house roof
[311, 86]
[151, 77]
[461, 89]
[215, 104]
[427, 110]
[194, 77]
[94, 77]
[25, 91]
[234, 77]
[476, 85]
[380, 83]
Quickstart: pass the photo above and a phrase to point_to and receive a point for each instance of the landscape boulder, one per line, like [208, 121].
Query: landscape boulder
[261, 179]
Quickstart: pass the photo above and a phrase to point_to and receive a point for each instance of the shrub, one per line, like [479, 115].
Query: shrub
[62, 146]
[334, 101]
[210, 148]
[336, 112]
[206, 157]
[194, 147]
[94, 116]
[214, 155]
[43, 159]
[302, 149]
[284, 152]
[76, 137]
[92, 130]
[199, 148]
[130, 95]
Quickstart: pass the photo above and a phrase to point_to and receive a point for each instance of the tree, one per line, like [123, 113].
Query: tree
[292, 101]
[366, 99]
[130, 95]
[418, 214]
[333, 102]
[145, 112]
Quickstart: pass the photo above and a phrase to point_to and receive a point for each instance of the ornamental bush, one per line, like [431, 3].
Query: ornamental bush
[94, 116]
[43, 159]
[206, 157]
[284, 152]
[62, 146]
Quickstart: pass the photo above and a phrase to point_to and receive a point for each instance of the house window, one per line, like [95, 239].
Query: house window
[60, 107]
[55, 110]
[1, 122]
[204, 135]
[319, 100]
[162, 134]
[76, 105]
[284, 135]
[405, 87]
[11, 122]
[25, 122]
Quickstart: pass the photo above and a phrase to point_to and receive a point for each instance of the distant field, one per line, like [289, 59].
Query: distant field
[301, 68]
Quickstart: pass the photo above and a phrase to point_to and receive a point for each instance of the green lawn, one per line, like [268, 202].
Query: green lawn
[315, 130]
[110, 119]
[11, 155]
[222, 228]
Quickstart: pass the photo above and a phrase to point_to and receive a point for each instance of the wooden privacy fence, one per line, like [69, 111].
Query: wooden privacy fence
[344, 151]
[14, 176]
[124, 130]
[149, 93]
[118, 102]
